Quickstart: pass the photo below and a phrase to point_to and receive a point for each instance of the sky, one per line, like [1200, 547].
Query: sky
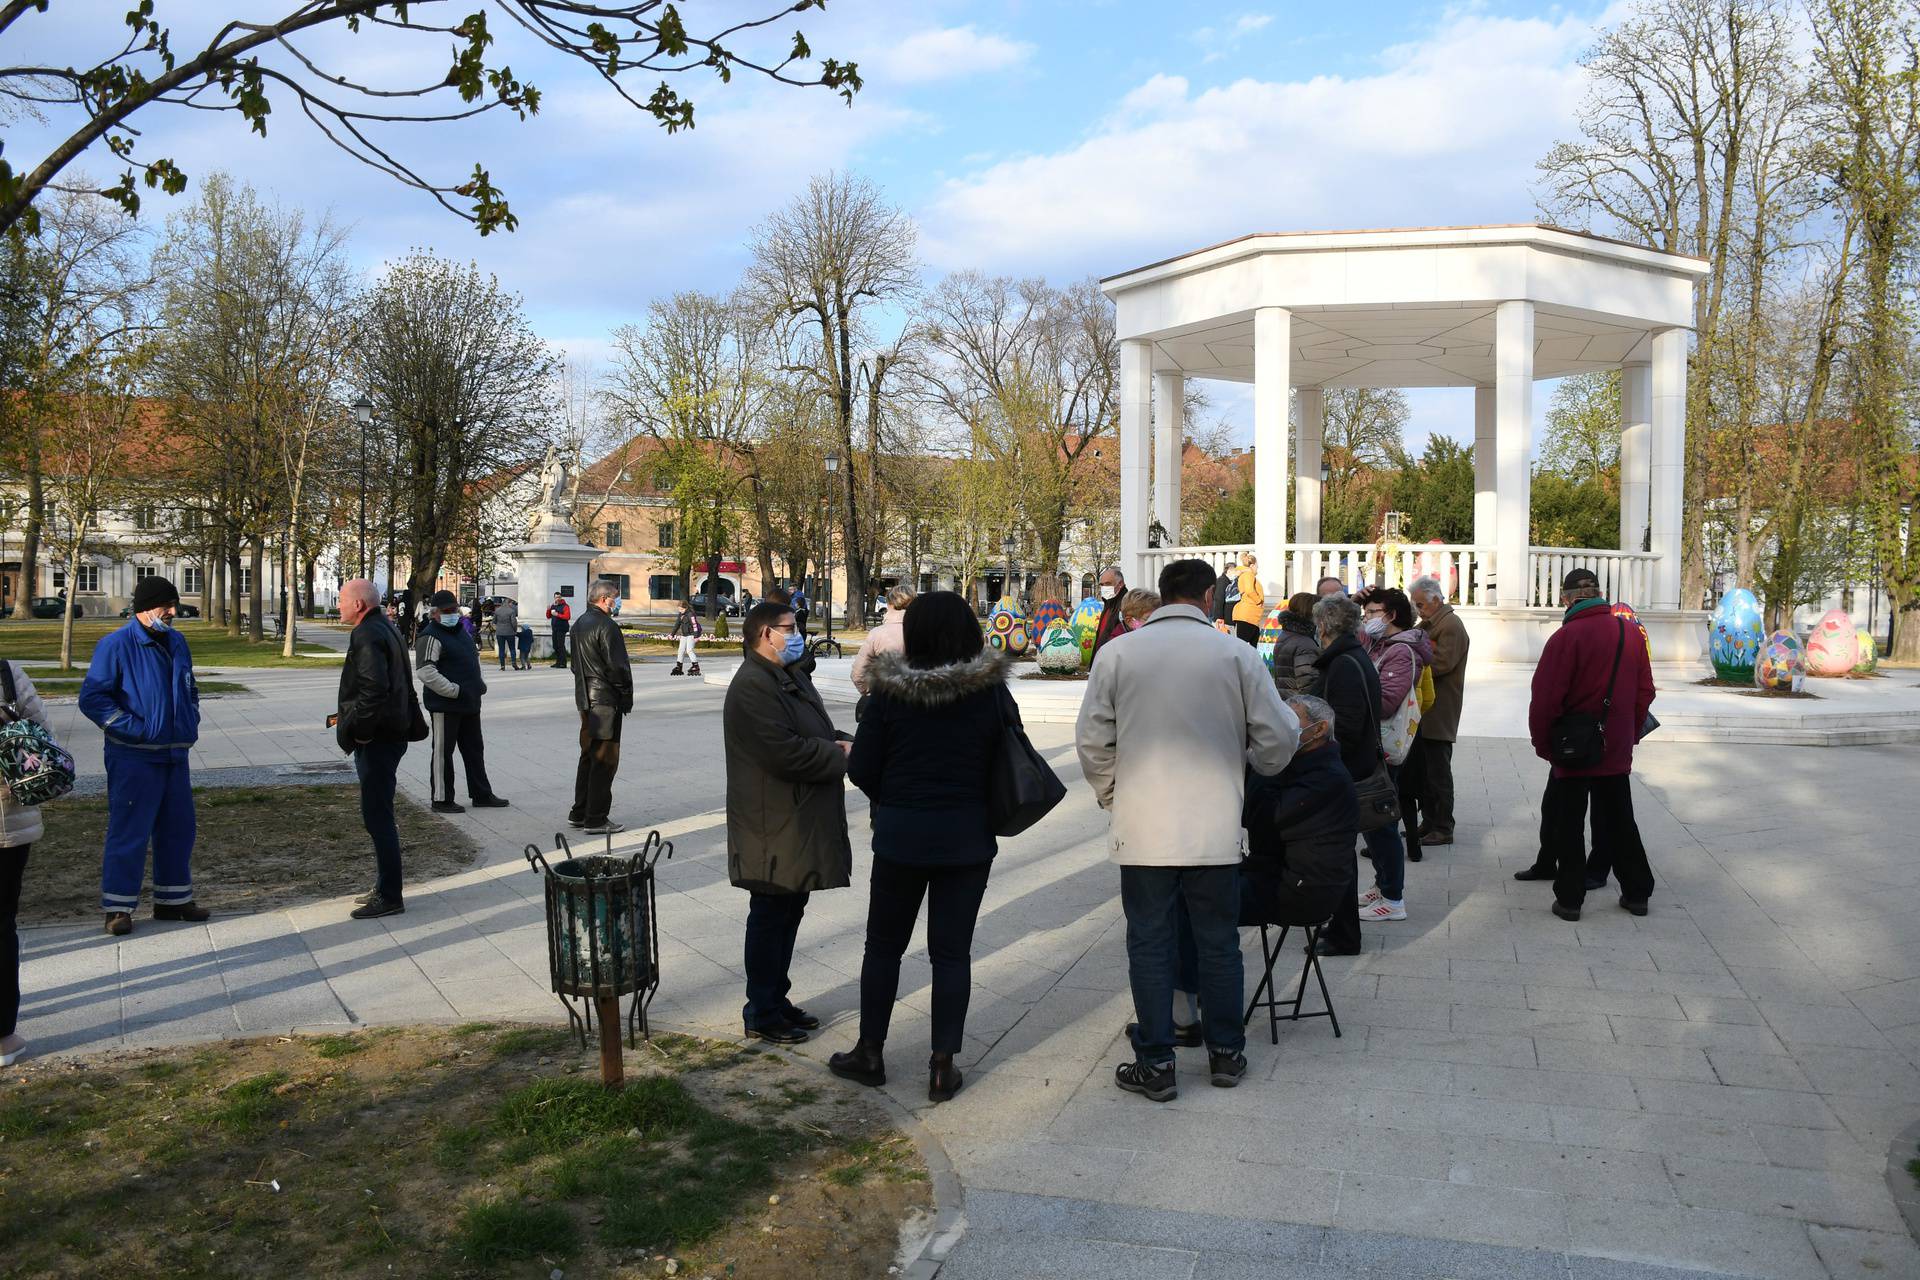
[1061, 138]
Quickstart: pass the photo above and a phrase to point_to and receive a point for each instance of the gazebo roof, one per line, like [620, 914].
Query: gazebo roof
[1405, 308]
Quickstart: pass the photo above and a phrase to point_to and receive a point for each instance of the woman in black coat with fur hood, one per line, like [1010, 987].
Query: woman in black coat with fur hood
[922, 755]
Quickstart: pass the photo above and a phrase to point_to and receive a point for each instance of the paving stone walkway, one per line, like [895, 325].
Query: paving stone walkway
[1715, 1088]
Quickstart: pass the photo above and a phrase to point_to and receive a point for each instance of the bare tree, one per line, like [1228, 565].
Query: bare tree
[824, 268]
[248, 63]
[459, 376]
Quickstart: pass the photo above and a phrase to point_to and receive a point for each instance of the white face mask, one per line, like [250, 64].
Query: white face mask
[449, 619]
[1107, 592]
[1376, 627]
[161, 622]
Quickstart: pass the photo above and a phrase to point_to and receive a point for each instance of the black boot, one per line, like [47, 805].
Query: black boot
[943, 1078]
[862, 1065]
[677, 670]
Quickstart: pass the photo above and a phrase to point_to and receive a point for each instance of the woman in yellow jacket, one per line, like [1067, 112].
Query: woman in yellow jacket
[1251, 606]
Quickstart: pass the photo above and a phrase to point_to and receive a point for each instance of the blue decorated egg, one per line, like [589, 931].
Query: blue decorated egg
[1045, 615]
[1007, 629]
[1734, 635]
[1782, 665]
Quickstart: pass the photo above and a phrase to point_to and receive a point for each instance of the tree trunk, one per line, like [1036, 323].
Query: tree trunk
[237, 617]
[217, 580]
[289, 575]
[306, 579]
[30, 537]
[256, 593]
[66, 613]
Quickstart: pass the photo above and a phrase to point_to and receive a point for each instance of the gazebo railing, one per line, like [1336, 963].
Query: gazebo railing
[1467, 572]
[1624, 575]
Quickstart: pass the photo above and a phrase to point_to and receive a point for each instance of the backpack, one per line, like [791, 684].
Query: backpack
[33, 766]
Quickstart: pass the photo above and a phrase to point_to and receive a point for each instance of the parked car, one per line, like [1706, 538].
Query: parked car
[728, 605]
[48, 607]
[179, 611]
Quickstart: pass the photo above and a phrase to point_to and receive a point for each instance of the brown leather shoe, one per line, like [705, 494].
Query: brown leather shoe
[1437, 837]
[180, 911]
[119, 923]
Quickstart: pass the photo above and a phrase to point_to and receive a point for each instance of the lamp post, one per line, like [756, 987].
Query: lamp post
[1006, 545]
[363, 418]
[826, 545]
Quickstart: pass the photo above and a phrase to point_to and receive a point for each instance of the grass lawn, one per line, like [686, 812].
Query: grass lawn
[480, 1150]
[39, 641]
[256, 847]
[69, 686]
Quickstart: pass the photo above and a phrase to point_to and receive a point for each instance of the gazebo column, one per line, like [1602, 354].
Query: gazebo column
[1169, 440]
[1136, 403]
[1636, 440]
[1311, 405]
[1667, 440]
[1513, 432]
[1272, 374]
[1485, 460]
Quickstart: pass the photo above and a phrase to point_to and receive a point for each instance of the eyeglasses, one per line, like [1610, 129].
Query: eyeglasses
[785, 626]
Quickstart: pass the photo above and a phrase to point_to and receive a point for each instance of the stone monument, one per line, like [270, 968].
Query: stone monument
[552, 559]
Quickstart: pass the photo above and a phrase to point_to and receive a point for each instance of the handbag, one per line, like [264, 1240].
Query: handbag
[1578, 739]
[1377, 794]
[1022, 788]
[1396, 735]
[34, 768]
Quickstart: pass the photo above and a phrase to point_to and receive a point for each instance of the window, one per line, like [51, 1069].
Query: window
[146, 517]
[191, 583]
[190, 518]
[88, 579]
[58, 579]
[666, 535]
[141, 572]
[614, 536]
[664, 586]
[246, 579]
[619, 580]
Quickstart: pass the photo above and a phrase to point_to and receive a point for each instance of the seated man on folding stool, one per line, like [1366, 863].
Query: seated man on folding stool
[1301, 826]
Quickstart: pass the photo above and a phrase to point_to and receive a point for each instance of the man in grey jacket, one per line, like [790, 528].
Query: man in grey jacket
[506, 633]
[1176, 711]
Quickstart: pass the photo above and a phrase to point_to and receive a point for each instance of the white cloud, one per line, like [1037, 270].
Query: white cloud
[947, 53]
[1219, 41]
[1446, 130]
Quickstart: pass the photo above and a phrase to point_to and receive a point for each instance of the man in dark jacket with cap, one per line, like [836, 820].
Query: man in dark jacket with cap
[603, 693]
[140, 691]
[1593, 665]
[448, 663]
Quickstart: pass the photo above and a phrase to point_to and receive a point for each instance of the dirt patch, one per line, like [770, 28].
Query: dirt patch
[1790, 694]
[1078, 676]
[255, 848]
[482, 1150]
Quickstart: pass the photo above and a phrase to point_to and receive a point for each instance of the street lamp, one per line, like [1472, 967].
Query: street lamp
[363, 416]
[1006, 545]
[826, 545]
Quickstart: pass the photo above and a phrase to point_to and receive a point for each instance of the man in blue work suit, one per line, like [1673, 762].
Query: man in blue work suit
[139, 689]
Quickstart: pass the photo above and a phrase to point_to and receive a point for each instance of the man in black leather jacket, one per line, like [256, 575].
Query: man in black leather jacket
[603, 691]
[374, 724]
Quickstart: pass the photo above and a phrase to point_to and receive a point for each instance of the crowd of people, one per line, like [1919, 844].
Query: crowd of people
[1241, 789]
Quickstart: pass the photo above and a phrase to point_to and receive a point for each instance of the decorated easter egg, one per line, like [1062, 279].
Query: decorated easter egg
[1007, 629]
[1045, 615]
[1622, 609]
[1781, 666]
[1869, 659]
[1085, 622]
[1270, 635]
[1734, 635]
[1834, 647]
[1059, 653]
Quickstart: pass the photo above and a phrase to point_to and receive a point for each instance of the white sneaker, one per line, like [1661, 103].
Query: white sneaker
[12, 1049]
[1371, 895]
[1385, 909]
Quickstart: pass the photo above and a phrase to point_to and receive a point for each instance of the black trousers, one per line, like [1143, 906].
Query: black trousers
[1408, 784]
[593, 780]
[1433, 784]
[1343, 933]
[1599, 857]
[559, 644]
[377, 764]
[773, 925]
[1613, 830]
[451, 730]
[953, 905]
[1248, 631]
[13, 869]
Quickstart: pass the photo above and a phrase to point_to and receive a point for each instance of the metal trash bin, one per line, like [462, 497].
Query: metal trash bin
[602, 939]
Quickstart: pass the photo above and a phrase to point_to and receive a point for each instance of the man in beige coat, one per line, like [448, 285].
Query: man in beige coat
[1429, 766]
[1173, 715]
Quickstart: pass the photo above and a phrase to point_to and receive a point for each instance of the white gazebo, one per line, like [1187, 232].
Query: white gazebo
[1492, 308]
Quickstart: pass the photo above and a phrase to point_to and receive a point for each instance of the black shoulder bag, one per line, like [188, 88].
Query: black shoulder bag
[1022, 788]
[1578, 739]
[1378, 797]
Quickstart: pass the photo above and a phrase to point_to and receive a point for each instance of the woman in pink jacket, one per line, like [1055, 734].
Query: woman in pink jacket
[888, 637]
[1399, 652]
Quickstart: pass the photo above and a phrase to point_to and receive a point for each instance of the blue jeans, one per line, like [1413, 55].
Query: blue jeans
[377, 763]
[1211, 895]
[1388, 855]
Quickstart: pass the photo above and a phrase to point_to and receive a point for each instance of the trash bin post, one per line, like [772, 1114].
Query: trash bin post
[602, 939]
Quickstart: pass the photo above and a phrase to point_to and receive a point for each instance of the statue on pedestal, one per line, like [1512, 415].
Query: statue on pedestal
[553, 509]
